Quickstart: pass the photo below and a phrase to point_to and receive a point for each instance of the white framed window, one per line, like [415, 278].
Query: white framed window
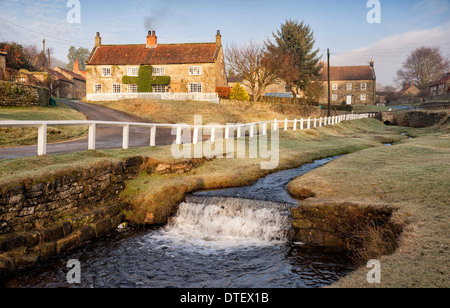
[117, 88]
[195, 88]
[97, 88]
[334, 86]
[159, 71]
[334, 97]
[363, 97]
[195, 70]
[349, 86]
[132, 88]
[133, 71]
[159, 88]
[106, 72]
[363, 86]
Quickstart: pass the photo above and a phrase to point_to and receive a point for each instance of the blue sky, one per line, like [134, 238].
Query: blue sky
[339, 25]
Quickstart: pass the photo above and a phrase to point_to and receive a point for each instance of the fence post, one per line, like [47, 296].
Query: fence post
[315, 122]
[275, 125]
[252, 130]
[264, 132]
[178, 140]
[213, 134]
[153, 136]
[320, 122]
[239, 132]
[295, 124]
[91, 139]
[309, 123]
[42, 140]
[285, 124]
[301, 123]
[195, 137]
[126, 137]
[227, 132]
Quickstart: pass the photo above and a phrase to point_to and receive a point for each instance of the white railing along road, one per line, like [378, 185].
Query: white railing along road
[297, 124]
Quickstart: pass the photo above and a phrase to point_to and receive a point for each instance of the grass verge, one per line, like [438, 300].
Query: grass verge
[28, 136]
[411, 176]
[166, 111]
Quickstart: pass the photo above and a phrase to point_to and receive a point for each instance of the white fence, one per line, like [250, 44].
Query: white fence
[238, 128]
[208, 97]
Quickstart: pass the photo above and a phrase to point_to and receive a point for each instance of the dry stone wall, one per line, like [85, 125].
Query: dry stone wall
[23, 95]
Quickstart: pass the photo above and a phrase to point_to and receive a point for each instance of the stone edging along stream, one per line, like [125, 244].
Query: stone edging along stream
[39, 221]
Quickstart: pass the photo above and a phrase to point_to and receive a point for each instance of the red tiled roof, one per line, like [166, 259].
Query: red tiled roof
[74, 75]
[58, 75]
[348, 73]
[443, 80]
[162, 54]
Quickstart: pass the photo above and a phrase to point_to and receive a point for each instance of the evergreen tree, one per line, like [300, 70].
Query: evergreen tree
[238, 93]
[81, 54]
[294, 44]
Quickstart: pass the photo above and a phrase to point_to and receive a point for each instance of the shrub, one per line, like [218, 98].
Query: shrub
[145, 80]
[223, 92]
[238, 93]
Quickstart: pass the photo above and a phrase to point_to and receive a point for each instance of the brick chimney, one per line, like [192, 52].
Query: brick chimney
[76, 67]
[98, 40]
[152, 39]
[218, 39]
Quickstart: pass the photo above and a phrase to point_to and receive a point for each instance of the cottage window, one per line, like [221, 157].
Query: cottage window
[363, 86]
[363, 97]
[195, 88]
[106, 72]
[132, 88]
[97, 88]
[117, 88]
[133, 71]
[159, 88]
[334, 97]
[195, 70]
[335, 86]
[349, 86]
[159, 71]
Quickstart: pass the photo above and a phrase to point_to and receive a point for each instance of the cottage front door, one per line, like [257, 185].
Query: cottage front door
[349, 99]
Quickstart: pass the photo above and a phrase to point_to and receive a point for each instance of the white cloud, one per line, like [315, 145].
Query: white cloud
[390, 53]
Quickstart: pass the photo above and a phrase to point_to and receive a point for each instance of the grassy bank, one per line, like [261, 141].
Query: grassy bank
[413, 176]
[28, 136]
[165, 111]
[154, 196]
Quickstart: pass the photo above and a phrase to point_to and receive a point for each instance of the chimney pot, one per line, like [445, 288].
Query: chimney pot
[152, 40]
[98, 40]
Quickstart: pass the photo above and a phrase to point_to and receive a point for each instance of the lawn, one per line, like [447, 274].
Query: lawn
[166, 111]
[413, 176]
[28, 136]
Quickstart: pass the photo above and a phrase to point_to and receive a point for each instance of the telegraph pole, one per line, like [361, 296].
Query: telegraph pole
[329, 85]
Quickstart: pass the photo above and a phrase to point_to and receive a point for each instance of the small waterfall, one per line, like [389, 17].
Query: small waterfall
[228, 223]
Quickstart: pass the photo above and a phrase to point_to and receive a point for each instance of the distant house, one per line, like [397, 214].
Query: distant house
[354, 85]
[78, 88]
[442, 86]
[60, 85]
[177, 68]
[409, 90]
[3, 65]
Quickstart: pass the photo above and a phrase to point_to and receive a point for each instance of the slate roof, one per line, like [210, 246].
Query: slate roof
[341, 73]
[161, 54]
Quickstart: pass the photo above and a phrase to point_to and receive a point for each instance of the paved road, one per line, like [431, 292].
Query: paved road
[106, 137]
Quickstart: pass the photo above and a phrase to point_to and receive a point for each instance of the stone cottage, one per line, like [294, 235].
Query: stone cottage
[354, 85]
[78, 87]
[441, 87]
[177, 68]
[2, 65]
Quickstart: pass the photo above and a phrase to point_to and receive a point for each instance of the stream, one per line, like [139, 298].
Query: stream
[216, 240]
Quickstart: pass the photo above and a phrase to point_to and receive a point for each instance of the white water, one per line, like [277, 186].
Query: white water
[227, 224]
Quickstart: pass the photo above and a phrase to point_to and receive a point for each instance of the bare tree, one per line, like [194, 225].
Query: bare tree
[251, 64]
[423, 66]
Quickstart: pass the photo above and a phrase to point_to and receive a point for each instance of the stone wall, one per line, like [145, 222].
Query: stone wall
[23, 95]
[336, 224]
